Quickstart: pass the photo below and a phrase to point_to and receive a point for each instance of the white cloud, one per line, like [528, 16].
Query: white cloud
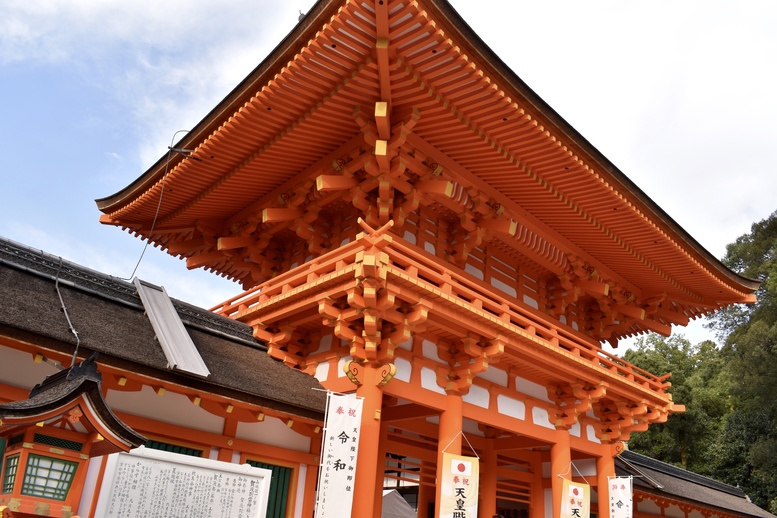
[167, 63]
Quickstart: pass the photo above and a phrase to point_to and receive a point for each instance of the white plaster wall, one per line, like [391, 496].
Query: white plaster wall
[322, 371]
[575, 430]
[429, 380]
[511, 407]
[404, 369]
[469, 428]
[169, 408]
[25, 372]
[341, 365]
[274, 432]
[476, 396]
[540, 417]
[494, 375]
[585, 467]
[591, 434]
[324, 344]
[548, 503]
[429, 350]
[530, 388]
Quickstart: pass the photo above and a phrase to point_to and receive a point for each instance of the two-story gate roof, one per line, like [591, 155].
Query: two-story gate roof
[384, 106]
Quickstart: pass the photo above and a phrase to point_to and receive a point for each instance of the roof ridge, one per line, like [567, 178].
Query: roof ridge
[70, 273]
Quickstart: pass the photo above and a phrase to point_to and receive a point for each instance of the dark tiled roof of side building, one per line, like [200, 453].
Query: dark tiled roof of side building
[662, 479]
[109, 318]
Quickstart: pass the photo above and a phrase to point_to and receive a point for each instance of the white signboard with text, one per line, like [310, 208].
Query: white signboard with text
[147, 482]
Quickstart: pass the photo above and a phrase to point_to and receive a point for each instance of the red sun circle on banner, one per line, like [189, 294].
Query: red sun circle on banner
[461, 467]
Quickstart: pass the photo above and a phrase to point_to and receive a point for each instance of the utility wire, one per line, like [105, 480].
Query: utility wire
[170, 150]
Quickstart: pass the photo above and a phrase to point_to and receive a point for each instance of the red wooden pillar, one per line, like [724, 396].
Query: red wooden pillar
[560, 465]
[449, 439]
[487, 500]
[425, 492]
[364, 502]
[537, 505]
[605, 469]
[381, 465]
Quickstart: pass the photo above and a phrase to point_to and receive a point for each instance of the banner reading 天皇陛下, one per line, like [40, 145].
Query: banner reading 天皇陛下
[459, 486]
[575, 500]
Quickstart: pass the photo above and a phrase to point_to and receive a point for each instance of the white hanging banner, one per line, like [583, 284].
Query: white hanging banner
[620, 497]
[337, 472]
[459, 486]
[575, 500]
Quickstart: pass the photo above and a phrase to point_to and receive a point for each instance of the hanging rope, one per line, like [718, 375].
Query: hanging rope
[569, 470]
[170, 150]
[465, 438]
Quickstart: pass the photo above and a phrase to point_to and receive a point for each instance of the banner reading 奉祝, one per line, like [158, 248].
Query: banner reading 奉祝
[620, 497]
[575, 500]
[459, 486]
[337, 472]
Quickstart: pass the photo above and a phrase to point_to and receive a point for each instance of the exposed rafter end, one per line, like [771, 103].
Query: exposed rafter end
[105, 219]
[233, 242]
[203, 260]
[278, 215]
[656, 327]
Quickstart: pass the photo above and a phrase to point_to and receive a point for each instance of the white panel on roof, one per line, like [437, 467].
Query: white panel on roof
[180, 351]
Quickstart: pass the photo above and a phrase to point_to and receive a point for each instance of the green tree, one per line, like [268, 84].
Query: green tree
[729, 429]
[745, 452]
[699, 382]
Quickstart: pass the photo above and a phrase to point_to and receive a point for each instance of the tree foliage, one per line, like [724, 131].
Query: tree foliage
[729, 429]
[698, 382]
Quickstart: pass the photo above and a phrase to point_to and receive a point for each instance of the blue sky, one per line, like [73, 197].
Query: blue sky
[678, 95]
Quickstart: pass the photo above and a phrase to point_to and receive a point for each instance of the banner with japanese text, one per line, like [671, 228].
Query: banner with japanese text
[459, 489]
[620, 497]
[338, 456]
[575, 500]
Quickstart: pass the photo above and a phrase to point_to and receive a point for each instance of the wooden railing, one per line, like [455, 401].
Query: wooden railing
[451, 281]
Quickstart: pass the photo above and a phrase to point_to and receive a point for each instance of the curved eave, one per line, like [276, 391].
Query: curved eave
[684, 266]
[83, 393]
[281, 54]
